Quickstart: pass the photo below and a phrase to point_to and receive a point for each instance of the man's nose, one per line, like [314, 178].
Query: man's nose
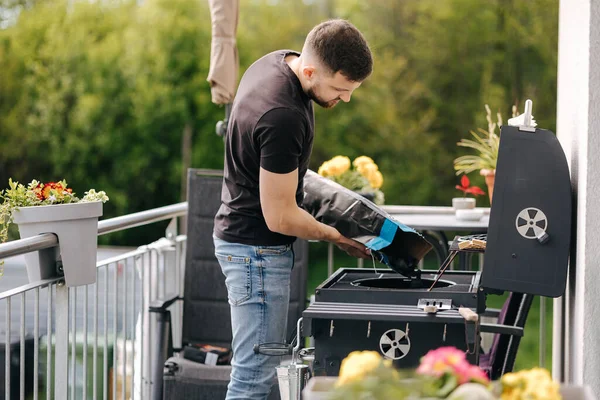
[345, 97]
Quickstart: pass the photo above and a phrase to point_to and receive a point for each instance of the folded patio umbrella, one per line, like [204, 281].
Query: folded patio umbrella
[391, 242]
[224, 61]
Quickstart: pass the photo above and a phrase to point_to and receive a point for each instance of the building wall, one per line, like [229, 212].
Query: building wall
[576, 355]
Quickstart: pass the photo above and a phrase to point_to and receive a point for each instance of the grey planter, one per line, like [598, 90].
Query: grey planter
[76, 226]
[321, 387]
[574, 392]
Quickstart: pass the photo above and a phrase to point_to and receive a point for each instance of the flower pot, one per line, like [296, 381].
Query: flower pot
[574, 392]
[319, 388]
[490, 177]
[469, 214]
[463, 203]
[76, 226]
[322, 387]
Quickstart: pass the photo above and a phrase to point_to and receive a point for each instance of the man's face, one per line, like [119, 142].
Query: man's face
[327, 90]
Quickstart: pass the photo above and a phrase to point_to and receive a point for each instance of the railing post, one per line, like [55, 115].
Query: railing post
[171, 277]
[61, 336]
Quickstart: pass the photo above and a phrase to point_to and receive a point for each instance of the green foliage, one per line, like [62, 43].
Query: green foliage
[486, 144]
[101, 92]
[384, 383]
[352, 180]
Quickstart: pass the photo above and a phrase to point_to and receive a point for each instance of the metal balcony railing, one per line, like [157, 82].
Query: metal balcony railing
[91, 341]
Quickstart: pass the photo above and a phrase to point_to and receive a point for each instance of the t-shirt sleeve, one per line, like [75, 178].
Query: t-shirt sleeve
[279, 136]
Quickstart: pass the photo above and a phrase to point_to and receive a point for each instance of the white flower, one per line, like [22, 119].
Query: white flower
[92, 195]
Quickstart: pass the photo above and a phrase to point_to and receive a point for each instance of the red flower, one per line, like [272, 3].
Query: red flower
[475, 190]
[46, 190]
[38, 191]
[465, 187]
[42, 190]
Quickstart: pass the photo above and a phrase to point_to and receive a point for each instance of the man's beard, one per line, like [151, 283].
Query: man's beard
[323, 103]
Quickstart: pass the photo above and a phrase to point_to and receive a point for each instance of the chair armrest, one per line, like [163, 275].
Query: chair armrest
[502, 329]
[161, 305]
[491, 312]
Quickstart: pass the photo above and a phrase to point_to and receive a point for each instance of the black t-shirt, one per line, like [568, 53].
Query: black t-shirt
[271, 126]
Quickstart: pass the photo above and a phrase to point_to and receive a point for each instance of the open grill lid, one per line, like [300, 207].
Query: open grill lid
[529, 232]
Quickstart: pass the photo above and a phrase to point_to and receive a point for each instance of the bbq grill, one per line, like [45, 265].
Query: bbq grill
[404, 315]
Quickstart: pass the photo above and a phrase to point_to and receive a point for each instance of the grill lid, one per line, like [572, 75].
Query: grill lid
[530, 220]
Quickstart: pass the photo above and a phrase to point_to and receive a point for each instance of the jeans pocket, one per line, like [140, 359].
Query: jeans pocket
[274, 250]
[237, 277]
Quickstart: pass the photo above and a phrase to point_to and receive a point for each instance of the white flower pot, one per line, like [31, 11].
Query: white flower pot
[319, 388]
[322, 387]
[76, 226]
[574, 392]
[463, 203]
[469, 214]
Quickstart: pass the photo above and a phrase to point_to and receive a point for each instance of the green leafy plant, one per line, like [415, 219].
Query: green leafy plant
[384, 382]
[485, 143]
[37, 194]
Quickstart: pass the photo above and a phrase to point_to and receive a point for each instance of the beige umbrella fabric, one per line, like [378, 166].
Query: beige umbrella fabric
[224, 61]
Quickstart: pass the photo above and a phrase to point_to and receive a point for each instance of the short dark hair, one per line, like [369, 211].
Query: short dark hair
[341, 47]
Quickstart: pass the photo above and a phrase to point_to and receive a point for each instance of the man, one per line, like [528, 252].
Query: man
[267, 151]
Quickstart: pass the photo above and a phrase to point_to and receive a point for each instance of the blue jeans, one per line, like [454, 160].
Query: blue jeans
[258, 286]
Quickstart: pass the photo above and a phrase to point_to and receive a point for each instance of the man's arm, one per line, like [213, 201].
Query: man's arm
[282, 214]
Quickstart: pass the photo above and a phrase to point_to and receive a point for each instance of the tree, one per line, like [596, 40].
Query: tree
[101, 93]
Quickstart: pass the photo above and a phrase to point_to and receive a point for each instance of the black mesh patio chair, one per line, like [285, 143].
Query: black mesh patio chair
[206, 315]
[508, 331]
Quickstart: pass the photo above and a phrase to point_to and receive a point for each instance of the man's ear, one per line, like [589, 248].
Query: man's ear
[308, 71]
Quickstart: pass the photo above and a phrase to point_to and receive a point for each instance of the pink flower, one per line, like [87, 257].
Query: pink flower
[441, 360]
[476, 374]
[462, 372]
[450, 360]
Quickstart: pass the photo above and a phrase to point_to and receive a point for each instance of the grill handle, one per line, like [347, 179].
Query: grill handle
[273, 349]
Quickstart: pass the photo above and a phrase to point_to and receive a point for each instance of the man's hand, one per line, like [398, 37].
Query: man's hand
[352, 247]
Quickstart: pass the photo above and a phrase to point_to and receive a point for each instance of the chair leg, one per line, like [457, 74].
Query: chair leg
[161, 351]
[511, 355]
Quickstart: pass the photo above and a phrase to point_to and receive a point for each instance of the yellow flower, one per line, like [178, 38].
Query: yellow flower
[324, 169]
[514, 394]
[367, 170]
[362, 160]
[376, 180]
[532, 384]
[334, 167]
[510, 379]
[341, 163]
[358, 364]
